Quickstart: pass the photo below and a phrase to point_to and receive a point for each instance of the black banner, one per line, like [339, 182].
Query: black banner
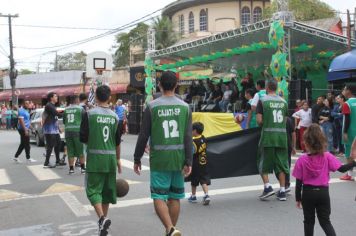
[234, 154]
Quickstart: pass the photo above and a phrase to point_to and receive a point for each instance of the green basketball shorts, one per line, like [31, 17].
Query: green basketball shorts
[101, 187]
[167, 185]
[273, 159]
[74, 147]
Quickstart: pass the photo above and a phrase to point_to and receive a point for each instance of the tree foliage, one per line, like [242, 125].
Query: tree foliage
[165, 34]
[136, 37]
[26, 72]
[71, 61]
[304, 10]
[165, 37]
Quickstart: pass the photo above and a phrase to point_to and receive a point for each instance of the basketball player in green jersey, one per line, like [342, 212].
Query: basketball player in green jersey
[273, 152]
[72, 119]
[100, 131]
[167, 123]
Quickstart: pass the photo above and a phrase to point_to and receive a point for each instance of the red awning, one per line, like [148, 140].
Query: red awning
[38, 93]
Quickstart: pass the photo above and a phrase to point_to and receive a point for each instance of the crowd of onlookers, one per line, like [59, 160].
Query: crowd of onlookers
[327, 112]
[9, 115]
[223, 96]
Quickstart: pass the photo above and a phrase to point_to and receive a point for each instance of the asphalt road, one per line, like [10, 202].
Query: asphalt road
[44, 202]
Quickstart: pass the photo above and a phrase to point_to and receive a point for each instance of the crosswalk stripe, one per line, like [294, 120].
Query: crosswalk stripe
[43, 174]
[4, 178]
[214, 192]
[73, 203]
[130, 164]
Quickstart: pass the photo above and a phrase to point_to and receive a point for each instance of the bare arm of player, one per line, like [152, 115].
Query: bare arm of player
[118, 153]
[259, 115]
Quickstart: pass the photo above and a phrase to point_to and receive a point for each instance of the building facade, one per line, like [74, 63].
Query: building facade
[204, 17]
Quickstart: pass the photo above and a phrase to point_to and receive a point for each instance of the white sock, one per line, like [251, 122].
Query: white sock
[283, 189]
[206, 194]
[267, 185]
[349, 173]
[193, 195]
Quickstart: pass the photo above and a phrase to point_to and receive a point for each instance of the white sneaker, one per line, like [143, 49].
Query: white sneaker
[31, 160]
[16, 160]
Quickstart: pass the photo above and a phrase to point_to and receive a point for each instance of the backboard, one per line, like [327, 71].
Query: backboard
[97, 62]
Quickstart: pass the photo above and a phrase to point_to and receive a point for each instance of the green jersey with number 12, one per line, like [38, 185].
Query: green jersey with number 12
[169, 121]
[101, 147]
[274, 133]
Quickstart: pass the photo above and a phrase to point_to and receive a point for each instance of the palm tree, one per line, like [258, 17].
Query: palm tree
[165, 35]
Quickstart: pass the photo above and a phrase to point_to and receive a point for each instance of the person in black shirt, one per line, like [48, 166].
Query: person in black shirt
[200, 173]
[325, 121]
[217, 96]
[316, 108]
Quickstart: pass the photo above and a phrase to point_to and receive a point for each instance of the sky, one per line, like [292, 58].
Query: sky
[105, 14]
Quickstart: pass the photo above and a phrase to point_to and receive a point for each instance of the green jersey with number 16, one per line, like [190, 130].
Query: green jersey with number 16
[274, 133]
[169, 119]
[101, 147]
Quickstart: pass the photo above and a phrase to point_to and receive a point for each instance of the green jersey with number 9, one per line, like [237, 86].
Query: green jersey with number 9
[274, 133]
[169, 122]
[101, 149]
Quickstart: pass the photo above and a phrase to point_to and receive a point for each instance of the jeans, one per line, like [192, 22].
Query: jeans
[223, 105]
[327, 128]
[317, 199]
[24, 144]
[338, 137]
[8, 123]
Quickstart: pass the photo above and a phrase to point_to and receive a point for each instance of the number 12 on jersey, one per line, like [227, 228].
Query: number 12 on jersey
[170, 129]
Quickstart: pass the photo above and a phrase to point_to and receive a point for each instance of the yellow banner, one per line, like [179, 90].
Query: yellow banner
[216, 123]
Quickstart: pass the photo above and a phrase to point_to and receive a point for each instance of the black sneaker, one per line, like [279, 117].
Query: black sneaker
[267, 192]
[49, 166]
[71, 171]
[104, 224]
[282, 196]
[83, 170]
[61, 163]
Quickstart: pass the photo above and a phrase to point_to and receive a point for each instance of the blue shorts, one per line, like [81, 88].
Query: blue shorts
[167, 185]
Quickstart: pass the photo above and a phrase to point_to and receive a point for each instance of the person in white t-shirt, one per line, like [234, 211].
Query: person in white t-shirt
[304, 116]
[226, 98]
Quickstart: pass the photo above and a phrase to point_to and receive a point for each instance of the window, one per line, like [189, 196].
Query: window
[203, 20]
[191, 22]
[181, 24]
[245, 16]
[257, 14]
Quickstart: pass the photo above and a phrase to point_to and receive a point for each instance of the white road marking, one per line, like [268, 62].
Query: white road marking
[4, 178]
[73, 203]
[43, 174]
[130, 165]
[215, 192]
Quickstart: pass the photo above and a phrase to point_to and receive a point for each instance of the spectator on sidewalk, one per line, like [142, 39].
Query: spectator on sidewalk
[338, 121]
[325, 121]
[303, 119]
[316, 108]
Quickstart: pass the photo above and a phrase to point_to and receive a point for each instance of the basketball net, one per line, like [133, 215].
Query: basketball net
[102, 77]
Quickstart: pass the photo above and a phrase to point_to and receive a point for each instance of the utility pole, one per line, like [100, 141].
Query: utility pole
[348, 30]
[13, 71]
[56, 62]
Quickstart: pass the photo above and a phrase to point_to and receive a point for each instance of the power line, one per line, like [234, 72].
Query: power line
[60, 27]
[110, 32]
